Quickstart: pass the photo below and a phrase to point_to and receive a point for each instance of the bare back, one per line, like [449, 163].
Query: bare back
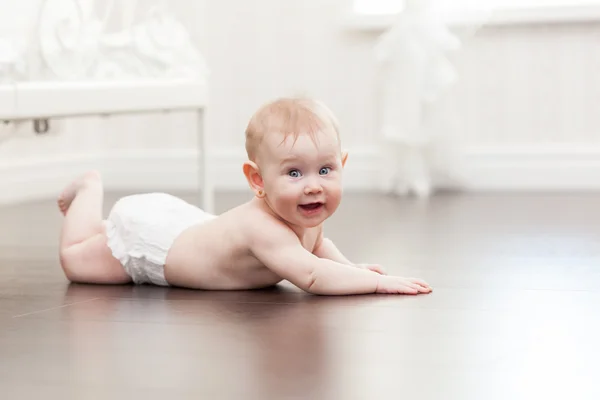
[216, 255]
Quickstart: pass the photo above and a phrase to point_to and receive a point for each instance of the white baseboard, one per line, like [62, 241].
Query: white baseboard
[557, 168]
[484, 169]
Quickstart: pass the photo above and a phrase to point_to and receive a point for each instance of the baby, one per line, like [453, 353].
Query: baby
[295, 164]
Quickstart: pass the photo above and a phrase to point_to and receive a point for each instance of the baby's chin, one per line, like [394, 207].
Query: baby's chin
[309, 224]
[300, 222]
[310, 221]
[302, 215]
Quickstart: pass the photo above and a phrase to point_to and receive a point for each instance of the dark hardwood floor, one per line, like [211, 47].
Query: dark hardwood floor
[515, 313]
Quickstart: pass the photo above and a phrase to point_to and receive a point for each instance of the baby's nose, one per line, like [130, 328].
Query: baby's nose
[313, 188]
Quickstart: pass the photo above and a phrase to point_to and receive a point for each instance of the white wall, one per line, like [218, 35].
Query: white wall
[531, 85]
[526, 103]
[265, 49]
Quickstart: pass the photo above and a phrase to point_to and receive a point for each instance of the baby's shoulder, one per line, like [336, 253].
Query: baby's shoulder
[260, 224]
[250, 220]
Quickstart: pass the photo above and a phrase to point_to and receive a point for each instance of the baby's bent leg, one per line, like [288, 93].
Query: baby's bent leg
[91, 261]
[84, 255]
[81, 203]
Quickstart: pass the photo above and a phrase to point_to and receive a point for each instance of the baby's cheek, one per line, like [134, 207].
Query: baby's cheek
[333, 186]
[334, 194]
[289, 196]
[286, 194]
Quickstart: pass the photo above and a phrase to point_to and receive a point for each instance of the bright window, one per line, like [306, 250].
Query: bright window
[375, 7]
[378, 6]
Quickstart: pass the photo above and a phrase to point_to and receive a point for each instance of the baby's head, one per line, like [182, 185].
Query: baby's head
[295, 159]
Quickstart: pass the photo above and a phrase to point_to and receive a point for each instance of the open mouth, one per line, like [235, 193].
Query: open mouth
[311, 206]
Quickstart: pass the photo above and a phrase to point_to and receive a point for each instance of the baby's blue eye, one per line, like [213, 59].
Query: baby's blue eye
[294, 173]
[324, 171]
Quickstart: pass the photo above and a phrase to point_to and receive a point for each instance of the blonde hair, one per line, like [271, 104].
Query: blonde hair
[290, 116]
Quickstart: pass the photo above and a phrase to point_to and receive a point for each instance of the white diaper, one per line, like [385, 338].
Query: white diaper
[141, 229]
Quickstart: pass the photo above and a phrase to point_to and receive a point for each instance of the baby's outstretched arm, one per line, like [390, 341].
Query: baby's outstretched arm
[325, 248]
[280, 250]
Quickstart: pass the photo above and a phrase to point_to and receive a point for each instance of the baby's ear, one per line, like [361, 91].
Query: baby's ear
[344, 158]
[253, 177]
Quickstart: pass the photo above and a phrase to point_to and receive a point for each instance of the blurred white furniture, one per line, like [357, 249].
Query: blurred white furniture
[39, 101]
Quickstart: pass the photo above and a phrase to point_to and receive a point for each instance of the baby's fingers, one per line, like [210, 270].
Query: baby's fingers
[416, 287]
[409, 288]
[421, 284]
[425, 289]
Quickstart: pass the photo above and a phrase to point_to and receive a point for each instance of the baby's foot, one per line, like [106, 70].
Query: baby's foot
[70, 191]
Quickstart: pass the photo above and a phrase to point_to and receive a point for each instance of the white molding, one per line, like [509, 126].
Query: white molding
[8, 102]
[565, 168]
[44, 99]
[581, 13]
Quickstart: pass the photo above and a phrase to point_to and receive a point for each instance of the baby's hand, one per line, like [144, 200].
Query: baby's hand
[372, 267]
[399, 285]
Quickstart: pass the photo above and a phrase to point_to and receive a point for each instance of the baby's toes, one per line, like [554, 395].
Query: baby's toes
[62, 205]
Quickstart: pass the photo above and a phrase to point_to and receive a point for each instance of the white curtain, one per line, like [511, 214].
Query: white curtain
[415, 72]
